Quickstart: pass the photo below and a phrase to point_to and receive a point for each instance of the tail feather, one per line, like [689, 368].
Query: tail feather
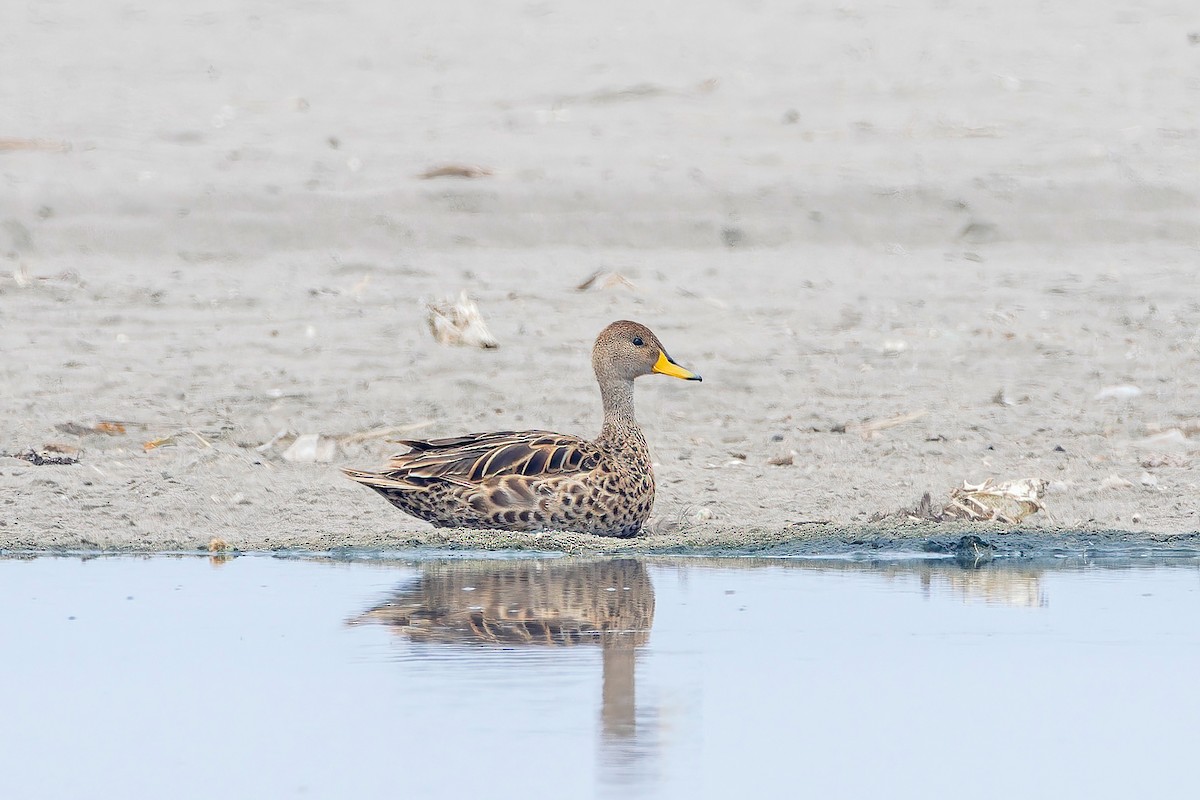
[378, 480]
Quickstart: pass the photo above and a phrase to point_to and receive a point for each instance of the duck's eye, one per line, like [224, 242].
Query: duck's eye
[637, 341]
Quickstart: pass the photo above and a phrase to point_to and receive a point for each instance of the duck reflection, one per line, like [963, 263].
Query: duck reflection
[556, 603]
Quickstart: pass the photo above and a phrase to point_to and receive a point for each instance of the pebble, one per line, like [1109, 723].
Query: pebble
[1115, 481]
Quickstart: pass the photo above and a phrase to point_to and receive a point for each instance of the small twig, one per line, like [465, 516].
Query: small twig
[383, 432]
[202, 440]
[870, 428]
[265, 446]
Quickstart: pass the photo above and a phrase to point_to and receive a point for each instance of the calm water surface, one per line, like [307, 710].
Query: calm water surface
[262, 678]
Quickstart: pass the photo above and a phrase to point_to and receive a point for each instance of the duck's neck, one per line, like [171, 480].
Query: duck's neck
[617, 396]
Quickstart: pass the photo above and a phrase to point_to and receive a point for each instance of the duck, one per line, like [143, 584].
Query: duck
[539, 480]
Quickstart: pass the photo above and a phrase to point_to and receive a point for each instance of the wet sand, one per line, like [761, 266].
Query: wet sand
[904, 249]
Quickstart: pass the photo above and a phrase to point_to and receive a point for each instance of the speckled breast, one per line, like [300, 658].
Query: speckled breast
[621, 489]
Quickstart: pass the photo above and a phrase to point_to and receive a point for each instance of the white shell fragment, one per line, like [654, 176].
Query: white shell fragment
[1123, 392]
[311, 447]
[459, 322]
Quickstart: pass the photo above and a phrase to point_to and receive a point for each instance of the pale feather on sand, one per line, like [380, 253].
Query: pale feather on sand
[460, 322]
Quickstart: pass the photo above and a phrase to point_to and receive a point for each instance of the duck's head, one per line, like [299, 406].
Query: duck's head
[626, 350]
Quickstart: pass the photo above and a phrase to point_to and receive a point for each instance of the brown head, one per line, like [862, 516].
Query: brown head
[626, 350]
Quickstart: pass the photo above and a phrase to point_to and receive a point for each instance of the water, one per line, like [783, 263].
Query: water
[261, 677]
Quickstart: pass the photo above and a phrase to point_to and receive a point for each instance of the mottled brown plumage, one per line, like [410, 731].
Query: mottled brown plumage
[538, 480]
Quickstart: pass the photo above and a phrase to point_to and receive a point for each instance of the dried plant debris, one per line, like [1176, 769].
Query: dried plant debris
[1155, 460]
[219, 551]
[924, 512]
[605, 280]
[715, 302]
[280, 436]
[1171, 439]
[639, 91]
[175, 439]
[456, 171]
[634, 92]
[869, 429]
[40, 145]
[459, 322]
[43, 458]
[21, 276]
[1189, 427]
[384, 432]
[1007, 503]
[106, 427]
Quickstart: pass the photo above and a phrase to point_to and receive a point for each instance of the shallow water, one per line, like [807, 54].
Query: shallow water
[460, 677]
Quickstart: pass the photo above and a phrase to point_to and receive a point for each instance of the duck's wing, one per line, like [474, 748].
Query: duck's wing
[472, 459]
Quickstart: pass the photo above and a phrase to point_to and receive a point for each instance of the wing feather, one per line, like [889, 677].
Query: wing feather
[475, 458]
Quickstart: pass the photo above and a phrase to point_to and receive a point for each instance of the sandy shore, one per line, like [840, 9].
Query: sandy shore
[905, 250]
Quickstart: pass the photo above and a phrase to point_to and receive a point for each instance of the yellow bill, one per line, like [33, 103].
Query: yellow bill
[665, 366]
